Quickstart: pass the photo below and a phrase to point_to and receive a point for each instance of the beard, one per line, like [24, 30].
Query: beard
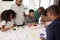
[18, 4]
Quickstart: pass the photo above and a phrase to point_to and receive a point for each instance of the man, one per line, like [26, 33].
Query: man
[30, 19]
[53, 30]
[38, 13]
[18, 7]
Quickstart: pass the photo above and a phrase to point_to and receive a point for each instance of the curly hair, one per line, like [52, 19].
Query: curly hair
[5, 15]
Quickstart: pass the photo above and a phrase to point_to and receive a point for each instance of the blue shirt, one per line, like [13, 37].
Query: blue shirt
[53, 30]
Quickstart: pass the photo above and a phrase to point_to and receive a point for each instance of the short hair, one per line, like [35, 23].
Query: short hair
[5, 15]
[31, 10]
[54, 9]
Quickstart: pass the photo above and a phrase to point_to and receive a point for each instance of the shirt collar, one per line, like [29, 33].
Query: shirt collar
[57, 19]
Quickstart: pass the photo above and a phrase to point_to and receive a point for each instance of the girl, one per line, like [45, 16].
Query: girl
[7, 22]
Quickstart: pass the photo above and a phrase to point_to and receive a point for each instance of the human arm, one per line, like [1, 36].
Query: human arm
[50, 33]
[3, 29]
[5, 26]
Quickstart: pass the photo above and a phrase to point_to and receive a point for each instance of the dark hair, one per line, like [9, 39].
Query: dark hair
[5, 15]
[44, 13]
[41, 8]
[54, 9]
[31, 10]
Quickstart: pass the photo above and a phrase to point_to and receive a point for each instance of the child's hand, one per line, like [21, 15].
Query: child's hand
[34, 24]
[4, 30]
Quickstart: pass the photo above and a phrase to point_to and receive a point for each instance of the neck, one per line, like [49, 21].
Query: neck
[30, 17]
[17, 4]
[55, 17]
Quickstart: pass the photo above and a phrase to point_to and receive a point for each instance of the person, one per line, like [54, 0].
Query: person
[30, 18]
[52, 30]
[7, 0]
[7, 22]
[25, 14]
[38, 13]
[43, 19]
[18, 7]
[0, 18]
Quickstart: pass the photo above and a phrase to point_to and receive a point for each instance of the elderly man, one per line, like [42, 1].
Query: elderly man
[18, 7]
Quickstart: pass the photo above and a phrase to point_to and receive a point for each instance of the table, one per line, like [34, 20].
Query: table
[23, 33]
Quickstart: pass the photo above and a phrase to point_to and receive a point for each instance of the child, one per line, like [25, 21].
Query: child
[30, 19]
[7, 22]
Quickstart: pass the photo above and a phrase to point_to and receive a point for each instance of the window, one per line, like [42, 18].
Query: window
[46, 3]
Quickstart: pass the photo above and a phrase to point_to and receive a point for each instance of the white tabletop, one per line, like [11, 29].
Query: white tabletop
[32, 33]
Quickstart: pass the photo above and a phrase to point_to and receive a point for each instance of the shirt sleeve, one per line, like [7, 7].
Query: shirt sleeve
[25, 21]
[12, 23]
[11, 6]
[3, 23]
[50, 34]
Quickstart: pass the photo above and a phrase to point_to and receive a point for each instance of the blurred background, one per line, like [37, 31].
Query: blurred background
[29, 4]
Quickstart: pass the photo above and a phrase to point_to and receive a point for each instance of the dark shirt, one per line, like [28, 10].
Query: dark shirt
[53, 30]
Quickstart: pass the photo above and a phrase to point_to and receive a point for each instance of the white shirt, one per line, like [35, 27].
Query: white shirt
[7, 24]
[19, 14]
[39, 20]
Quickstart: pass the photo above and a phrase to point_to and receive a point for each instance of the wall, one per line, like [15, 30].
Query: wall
[46, 3]
[5, 5]
[30, 4]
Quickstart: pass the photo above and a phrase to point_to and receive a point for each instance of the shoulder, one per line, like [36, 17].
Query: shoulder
[36, 11]
[13, 4]
[12, 21]
[22, 6]
[3, 22]
[27, 17]
[51, 27]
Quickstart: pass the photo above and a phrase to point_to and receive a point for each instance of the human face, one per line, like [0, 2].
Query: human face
[39, 10]
[11, 16]
[19, 2]
[31, 14]
[49, 16]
